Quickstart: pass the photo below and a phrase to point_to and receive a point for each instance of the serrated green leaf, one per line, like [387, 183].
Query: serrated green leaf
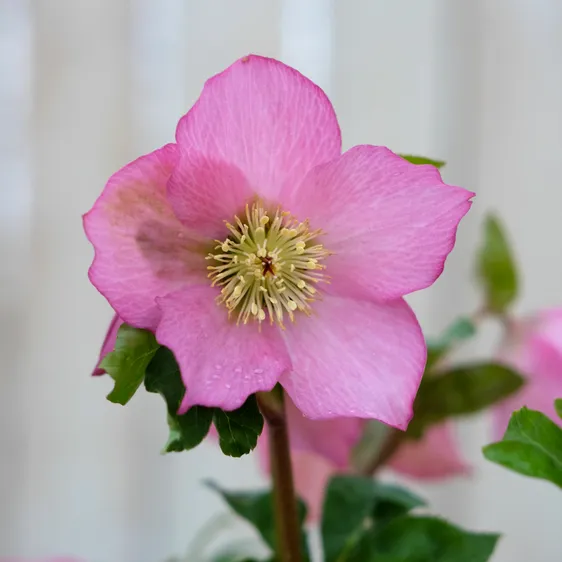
[532, 445]
[126, 365]
[257, 508]
[460, 330]
[461, 391]
[239, 430]
[188, 430]
[496, 267]
[425, 539]
[351, 503]
[558, 407]
[422, 160]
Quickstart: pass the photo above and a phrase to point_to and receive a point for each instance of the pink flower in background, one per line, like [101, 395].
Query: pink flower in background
[436, 455]
[322, 448]
[258, 253]
[534, 347]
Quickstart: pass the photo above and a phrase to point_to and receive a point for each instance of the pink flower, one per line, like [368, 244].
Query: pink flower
[434, 456]
[534, 347]
[254, 218]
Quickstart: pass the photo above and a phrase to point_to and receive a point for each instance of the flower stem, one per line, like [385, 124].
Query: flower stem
[284, 497]
[390, 446]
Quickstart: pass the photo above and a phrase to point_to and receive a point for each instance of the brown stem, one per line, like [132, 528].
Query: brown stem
[284, 497]
[389, 447]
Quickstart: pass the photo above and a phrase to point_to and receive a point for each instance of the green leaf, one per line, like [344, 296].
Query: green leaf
[422, 160]
[392, 501]
[461, 391]
[134, 350]
[257, 508]
[459, 331]
[532, 445]
[351, 503]
[558, 407]
[496, 267]
[428, 539]
[348, 502]
[188, 430]
[239, 430]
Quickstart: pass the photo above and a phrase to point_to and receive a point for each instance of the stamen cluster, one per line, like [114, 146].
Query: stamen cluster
[268, 266]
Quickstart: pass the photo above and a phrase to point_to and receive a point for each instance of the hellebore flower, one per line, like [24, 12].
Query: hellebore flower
[259, 254]
[534, 347]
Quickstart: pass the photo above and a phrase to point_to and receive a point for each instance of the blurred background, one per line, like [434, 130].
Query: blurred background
[87, 86]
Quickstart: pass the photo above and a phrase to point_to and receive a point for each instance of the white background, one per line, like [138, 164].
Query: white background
[86, 86]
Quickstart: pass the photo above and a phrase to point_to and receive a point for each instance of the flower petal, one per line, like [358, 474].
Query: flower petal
[533, 347]
[332, 439]
[206, 192]
[435, 455]
[265, 119]
[538, 393]
[141, 250]
[108, 343]
[356, 358]
[221, 363]
[312, 474]
[390, 224]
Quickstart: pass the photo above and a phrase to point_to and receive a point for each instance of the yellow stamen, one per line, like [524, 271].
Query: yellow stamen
[266, 266]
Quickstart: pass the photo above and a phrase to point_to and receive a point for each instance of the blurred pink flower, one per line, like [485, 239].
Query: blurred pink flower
[257, 196]
[321, 449]
[435, 455]
[534, 347]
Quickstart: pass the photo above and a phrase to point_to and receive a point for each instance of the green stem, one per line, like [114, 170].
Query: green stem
[286, 512]
[390, 445]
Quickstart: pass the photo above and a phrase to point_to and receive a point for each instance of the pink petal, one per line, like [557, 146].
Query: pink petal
[537, 394]
[264, 119]
[311, 475]
[534, 347]
[356, 359]
[221, 363]
[206, 192]
[436, 455]
[546, 342]
[141, 250]
[332, 439]
[391, 224]
[108, 343]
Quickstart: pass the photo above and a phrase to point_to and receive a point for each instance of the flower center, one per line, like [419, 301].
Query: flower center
[268, 266]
